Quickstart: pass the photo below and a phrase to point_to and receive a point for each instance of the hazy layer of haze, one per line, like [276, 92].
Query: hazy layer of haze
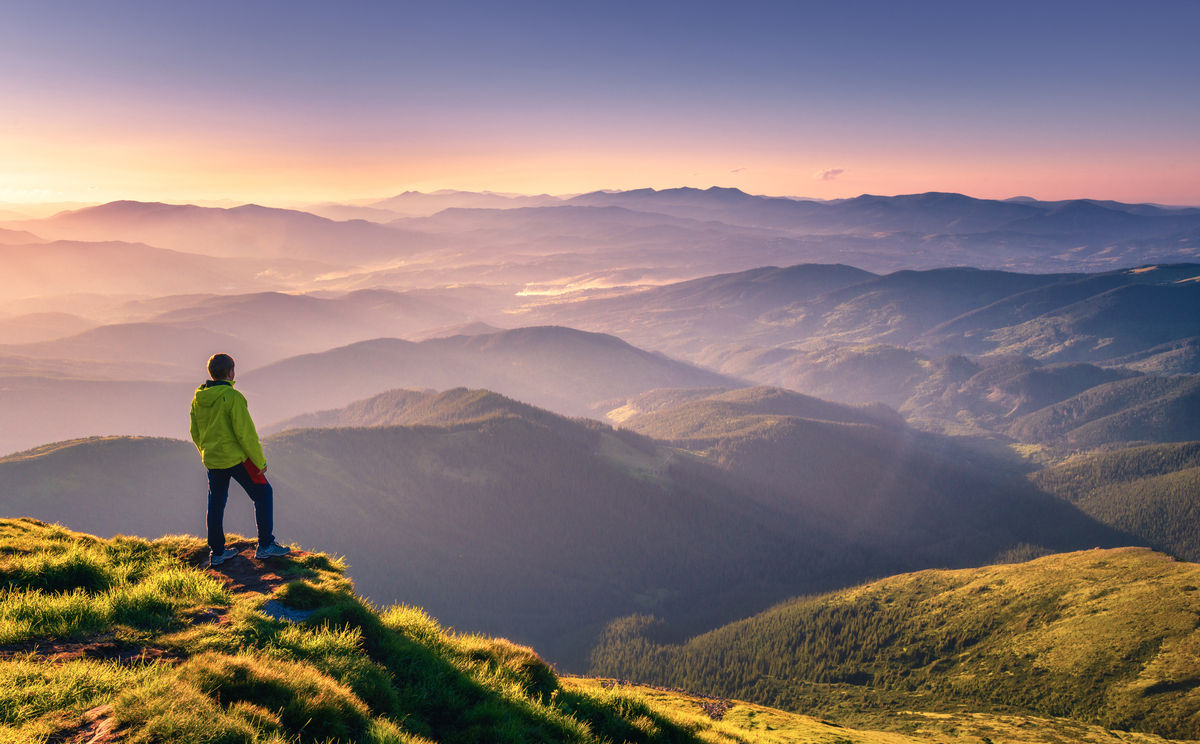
[107, 313]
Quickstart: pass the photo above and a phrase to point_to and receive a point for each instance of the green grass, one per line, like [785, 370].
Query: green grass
[31, 688]
[57, 585]
[1106, 637]
[747, 723]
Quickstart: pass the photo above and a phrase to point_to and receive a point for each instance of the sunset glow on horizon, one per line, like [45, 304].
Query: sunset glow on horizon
[292, 103]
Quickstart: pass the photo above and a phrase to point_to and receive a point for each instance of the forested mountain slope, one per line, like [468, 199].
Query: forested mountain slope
[1139, 409]
[1152, 492]
[1107, 636]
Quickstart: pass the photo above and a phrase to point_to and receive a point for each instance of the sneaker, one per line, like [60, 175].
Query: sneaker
[216, 560]
[271, 551]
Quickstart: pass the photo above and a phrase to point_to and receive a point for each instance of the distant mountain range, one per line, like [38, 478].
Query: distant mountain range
[802, 396]
[564, 370]
[954, 310]
[66, 267]
[248, 231]
[568, 371]
[178, 347]
[955, 350]
[415, 203]
[929, 213]
[1035, 341]
[18, 237]
[294, 324]
[605, 239]
[884, 233]
[34, 327]
[419, 204]
[173, 335]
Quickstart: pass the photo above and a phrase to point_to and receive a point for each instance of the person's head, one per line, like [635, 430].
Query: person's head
[220, 367]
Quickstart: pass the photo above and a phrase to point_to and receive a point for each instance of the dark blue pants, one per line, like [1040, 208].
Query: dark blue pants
[218, 494]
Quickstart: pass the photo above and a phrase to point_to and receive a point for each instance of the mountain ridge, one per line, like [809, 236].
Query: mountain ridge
[525, 504]
[248, 230]
[552, 366]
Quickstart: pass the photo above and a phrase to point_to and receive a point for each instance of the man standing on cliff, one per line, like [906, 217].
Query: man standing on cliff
[228, 442]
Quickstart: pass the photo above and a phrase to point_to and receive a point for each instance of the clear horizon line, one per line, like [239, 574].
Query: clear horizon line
[366, 202]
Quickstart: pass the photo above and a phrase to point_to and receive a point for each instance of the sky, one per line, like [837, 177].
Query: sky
[290, 102]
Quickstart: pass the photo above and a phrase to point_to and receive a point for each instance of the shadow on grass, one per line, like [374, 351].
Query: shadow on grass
[453, 689]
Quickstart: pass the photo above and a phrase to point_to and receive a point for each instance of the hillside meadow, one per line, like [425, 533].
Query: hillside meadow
[1107, 637]
[736, 721]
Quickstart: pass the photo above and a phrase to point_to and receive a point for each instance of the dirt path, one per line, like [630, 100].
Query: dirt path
[244, 574]
[96, 727]
[99, 649]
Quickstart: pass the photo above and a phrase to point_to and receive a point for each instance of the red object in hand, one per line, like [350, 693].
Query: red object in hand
[256, 475]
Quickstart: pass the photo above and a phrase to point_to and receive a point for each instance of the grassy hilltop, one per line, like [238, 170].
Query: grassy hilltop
[1105, 636]
[128, 640]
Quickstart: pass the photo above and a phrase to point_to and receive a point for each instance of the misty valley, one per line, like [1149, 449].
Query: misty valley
[922, 465]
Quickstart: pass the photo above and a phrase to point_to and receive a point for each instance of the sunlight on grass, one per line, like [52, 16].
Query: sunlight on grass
[29, 688]
[77, 587]
[351, 672]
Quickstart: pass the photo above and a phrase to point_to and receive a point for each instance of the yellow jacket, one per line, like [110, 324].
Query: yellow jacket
[222, 428]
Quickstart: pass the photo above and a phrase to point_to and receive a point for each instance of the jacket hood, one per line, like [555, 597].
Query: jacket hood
[212, 391]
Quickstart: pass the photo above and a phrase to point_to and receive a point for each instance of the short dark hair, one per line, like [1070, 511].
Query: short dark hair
[220, 366]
